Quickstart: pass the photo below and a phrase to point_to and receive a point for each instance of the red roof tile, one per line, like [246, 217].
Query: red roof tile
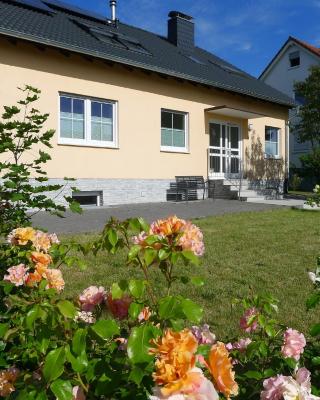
[313, 49]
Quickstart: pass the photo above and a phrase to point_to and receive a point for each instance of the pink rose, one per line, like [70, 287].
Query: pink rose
[293, 345]
[203, 334]
[247, 322]
[303, 377]
[17, 275]
[273, 388]
[91, 297]
[240, 345]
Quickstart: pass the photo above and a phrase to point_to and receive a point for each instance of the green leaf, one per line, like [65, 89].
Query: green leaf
[136, 288]
[31, 316]
[3, 330]
[291, 362]
[170, 308]
[190, 256]
[54, 364]
[62, 389]
[135, 309]
[136, 375]
[163, 254]
[106, 328]
[149, 256]
[79, 341]
[67, 309]
[133, 252]
[192, 311]
[197, 281]
[74, 206]
[113, 237]
[315, 360]
[116, 291]
[313, 300]
[315, 330]
[139, 343]
[256, 375]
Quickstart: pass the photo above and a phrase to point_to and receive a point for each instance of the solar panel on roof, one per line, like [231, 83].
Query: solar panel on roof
[74, 9]
[35, 4]
[114, 38]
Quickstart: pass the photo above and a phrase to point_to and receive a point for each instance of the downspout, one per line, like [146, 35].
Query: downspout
[287, 157]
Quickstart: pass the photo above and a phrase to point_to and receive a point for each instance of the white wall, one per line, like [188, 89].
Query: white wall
[282, 77]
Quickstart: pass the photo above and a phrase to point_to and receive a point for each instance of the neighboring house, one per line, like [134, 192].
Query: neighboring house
[291, 64]
[133, 109]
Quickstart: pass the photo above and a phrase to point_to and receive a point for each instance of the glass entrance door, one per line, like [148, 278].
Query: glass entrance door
[224, 150]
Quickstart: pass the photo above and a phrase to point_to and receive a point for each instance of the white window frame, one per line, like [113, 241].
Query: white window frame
[278, 141]
[175, 149]
[87, 142]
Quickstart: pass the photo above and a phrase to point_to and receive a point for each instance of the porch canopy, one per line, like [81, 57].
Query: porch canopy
[233, 112]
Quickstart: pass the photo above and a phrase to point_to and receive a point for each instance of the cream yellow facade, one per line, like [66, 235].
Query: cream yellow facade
[140, 98]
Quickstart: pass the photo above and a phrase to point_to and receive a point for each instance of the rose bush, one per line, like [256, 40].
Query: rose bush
[126, 341]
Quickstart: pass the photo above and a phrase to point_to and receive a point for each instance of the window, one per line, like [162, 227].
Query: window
[88, 198]
[174, 131]
[294, 59]
[87, 122]
[272, 141]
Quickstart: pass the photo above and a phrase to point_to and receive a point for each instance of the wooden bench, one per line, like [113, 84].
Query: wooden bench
[185, 188]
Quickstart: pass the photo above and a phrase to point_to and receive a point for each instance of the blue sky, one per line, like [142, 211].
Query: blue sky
[247, 33]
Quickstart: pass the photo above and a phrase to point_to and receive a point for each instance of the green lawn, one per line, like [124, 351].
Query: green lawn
[266, 251]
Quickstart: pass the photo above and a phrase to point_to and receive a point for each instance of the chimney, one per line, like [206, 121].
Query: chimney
[181, 30]
[113, 5]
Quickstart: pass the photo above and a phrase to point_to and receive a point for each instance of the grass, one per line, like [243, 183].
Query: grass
[269, 252]
[301, 193]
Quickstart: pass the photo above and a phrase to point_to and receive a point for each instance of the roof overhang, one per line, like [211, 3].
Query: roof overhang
[234, 112]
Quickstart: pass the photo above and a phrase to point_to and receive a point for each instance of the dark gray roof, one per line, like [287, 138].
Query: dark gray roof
[57, 24]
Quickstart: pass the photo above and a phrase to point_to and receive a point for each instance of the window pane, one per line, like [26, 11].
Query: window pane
[271, 134]
[166, 137]
[95, 109]
[107, 110]
[65, 104]
[107, 132]
[234, 137]
[215, 135]
[78, 107]
[178, 121]
[166, 119]
[271, 148]
[66, 128]
[78, 129]
[178, 138]
[95, 131]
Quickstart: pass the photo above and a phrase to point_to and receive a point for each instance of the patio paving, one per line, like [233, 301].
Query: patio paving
[93, 219]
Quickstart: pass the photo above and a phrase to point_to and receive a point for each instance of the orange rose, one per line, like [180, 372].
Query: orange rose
[220, 367]
[170, 226]
[40, 259]
[176, 357]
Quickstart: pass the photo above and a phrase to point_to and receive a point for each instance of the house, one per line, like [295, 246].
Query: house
[291, 64]
[133, 109]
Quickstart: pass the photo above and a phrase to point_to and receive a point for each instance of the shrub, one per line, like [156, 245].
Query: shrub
[126, 342]
[23, 181]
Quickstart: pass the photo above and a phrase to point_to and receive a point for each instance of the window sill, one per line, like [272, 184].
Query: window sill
[174, 150]
[272, 157]
[104, 145]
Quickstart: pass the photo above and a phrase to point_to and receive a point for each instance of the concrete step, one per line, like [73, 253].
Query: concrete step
[251, 194]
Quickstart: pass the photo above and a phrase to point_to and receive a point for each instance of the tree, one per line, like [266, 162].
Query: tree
[307, 128]
[24, 185]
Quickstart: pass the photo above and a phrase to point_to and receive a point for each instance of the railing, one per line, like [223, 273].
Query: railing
[214, 165]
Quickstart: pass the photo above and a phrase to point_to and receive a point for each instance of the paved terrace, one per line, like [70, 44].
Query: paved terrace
[93, 219]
